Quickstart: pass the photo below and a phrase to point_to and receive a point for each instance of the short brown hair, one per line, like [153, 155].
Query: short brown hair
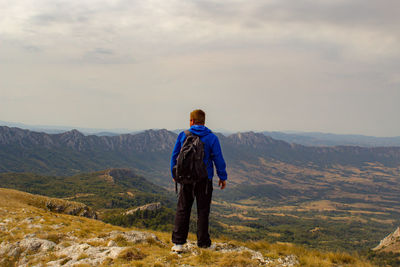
[198, 116]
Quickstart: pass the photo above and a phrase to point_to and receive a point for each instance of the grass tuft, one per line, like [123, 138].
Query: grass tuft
[82, 256]
[121, 241]
[341, 258]
[238, 260]
[108, 261]
[131, 254]
[54, 237]
[152, 242]
[64, 261]
[205, 257]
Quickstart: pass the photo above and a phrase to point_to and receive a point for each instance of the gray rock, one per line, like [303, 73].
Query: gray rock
[35, 244]
[71, 209]
[95, 255]
[57, 226]
[134, 236]
[151, 207]
[29, 236]
[391, 239]
[52, 206]
[36, 226]
[287, 261]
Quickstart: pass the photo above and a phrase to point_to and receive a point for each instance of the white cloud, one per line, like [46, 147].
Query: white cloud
[282, 58]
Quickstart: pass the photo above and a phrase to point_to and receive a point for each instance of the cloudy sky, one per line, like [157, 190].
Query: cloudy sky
[304, 65]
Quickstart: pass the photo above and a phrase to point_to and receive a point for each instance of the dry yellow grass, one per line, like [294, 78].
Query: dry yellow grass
[18, 206]
[307, 257]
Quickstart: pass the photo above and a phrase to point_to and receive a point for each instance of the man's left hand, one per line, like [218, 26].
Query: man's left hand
[222, 184]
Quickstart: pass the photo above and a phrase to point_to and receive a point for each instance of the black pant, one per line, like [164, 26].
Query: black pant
[184, 207]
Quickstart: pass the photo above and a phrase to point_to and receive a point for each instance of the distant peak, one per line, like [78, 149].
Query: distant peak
[162, 131]
[252, 139]
[74, 132]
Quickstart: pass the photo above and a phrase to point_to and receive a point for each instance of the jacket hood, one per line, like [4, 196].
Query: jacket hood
[199, 130]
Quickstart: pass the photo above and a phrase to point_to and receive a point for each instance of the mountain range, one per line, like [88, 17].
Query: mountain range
[277, 190]
[249, 155]
[302, 138]
[72, 152]
[258, 165]
[328, 139]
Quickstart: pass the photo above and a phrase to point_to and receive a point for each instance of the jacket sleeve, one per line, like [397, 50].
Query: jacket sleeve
[218, 160]
[175, 151]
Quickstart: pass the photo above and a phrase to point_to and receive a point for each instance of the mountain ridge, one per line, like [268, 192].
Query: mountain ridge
[329, 139]
[77, 140]
[149, 152]
[298, 137]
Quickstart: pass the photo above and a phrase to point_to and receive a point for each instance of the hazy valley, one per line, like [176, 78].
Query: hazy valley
[329, 198]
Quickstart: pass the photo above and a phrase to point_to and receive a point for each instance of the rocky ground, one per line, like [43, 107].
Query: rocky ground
[73, 250]
[391, 243]
[114, 247]
[40, 231]
[32, 234]
[289, 261]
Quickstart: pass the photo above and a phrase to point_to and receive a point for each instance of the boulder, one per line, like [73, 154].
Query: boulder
[390, 240]
[36, 244]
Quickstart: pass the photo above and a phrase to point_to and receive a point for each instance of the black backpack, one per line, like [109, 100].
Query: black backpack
[190, 167]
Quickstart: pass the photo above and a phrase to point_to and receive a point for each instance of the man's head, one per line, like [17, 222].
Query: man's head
[197, 117]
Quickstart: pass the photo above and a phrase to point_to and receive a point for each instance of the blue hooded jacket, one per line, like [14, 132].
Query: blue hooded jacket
[212, 151]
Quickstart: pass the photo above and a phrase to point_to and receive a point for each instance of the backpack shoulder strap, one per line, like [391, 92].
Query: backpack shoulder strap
[187, 133]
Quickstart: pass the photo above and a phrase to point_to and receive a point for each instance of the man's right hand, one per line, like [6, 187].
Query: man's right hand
[222, 184]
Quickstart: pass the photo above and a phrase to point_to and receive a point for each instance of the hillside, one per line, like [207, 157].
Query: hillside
[156, 145]
[46, 203]
[276, 191]
[112, 188]
[317, 224]
[111, 193]
[32, 235]
[391, 243]
[72, 152]
[148, 154]
[387, 253]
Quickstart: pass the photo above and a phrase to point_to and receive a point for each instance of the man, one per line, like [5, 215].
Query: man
[202, 190]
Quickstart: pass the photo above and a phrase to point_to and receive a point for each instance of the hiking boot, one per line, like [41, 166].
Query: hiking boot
[177, 248]
[211, 247]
